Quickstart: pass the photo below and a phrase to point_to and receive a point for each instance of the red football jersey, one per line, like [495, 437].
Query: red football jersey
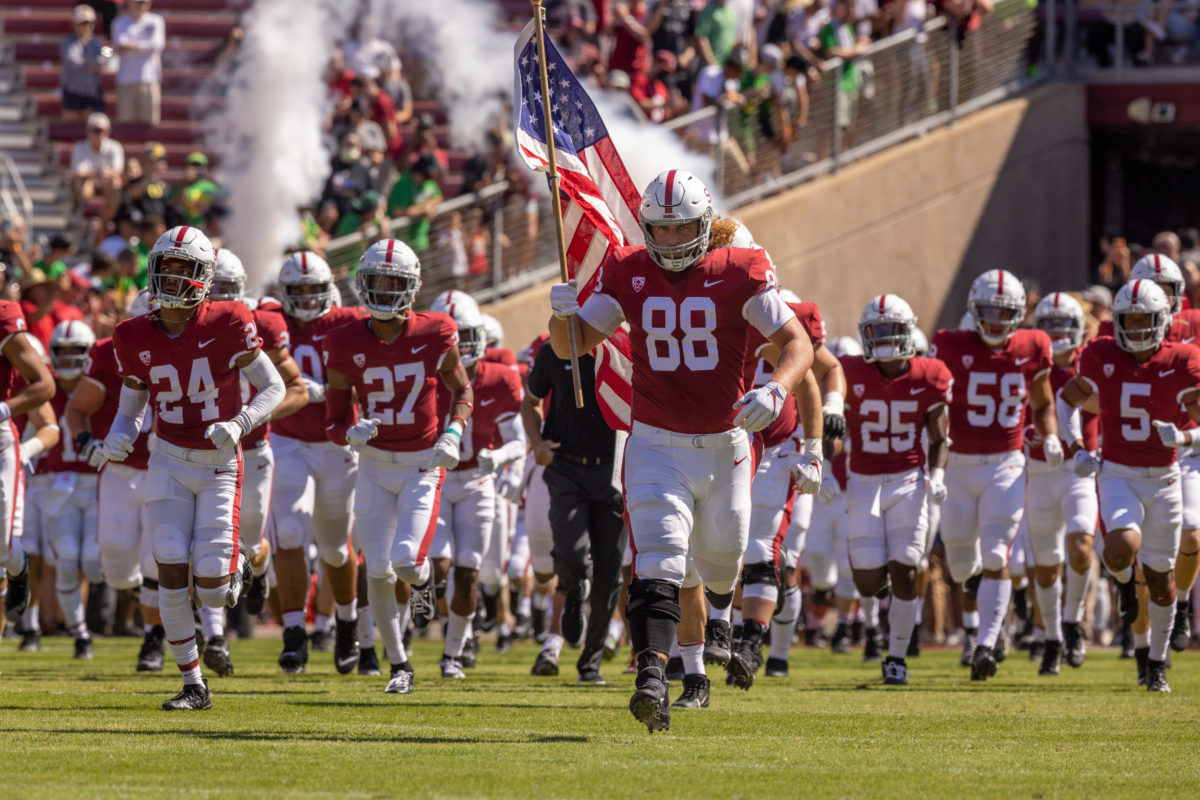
[274, 334]
[62, 457]
[102, 369]
[12, 320]
[192, 378]
[497, 390]
[885, 418]
[1060, 377]
[758, 371]
[1133, 394]
[307, 342]
[501, 355]
[688, 333]
[987, 413]
[396, 381]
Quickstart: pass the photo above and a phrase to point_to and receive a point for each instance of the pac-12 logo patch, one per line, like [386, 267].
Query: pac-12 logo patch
[968, 361]
[360, 360]
[638, 283]
[859, 389]
[145, 357]
[1109, 369]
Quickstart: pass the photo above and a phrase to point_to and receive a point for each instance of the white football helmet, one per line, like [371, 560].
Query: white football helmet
[300, 273]
[142, 304]
[494, 330]
[472, 336]
[229, 277]
[1163, 271]
[70, 342]
[742, 237]
[920, 342]
[389, 277]
[842, 346]
[181, 265]
[676, 198]
[1062, 318]
[1141, 297]
[886, 328]
[997, 305]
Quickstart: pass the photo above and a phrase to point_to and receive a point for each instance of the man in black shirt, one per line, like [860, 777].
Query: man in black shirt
[577, 448]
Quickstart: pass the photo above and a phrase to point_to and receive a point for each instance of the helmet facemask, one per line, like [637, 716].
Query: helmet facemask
[1174, 292]
[227, 289]
[678, 257]
[387, 292]
[177, 280]
[995, 321]
[301, 302]
[472, 344]
[69, 360]
[1066, 333]
[1139, 331]
[887, 339]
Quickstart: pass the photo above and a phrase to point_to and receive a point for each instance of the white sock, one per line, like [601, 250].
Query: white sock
[761, 591]
[615, 629]
[1141, 640]
[675, 651]
[971, 619]
[553, 644]
[993, 606]
[524, 606]
[724, 614]
[71, 603]
[1077, 586]
[783, 625]
[324, 623]
[1162, 620]
[843, 618]
[1039, 634]
[347, 611]
[176, 609]
[31, 619]
[148, 596]
[919, 617]
[870, 609]
[382, 595]
[293, 619]
[541, 601]
[902, 616]
[457, 632]
[735, 616]
[366, 628]
[693, 658]
[212, 621]
[1049, 600]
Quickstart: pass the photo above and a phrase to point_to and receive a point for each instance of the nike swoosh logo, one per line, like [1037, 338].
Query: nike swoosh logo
[918, 390]
[708, 284]
[220, 472]
[263, 466]
[487, 402]
[1020, 361]
[419, 349]
[348, 460]
[743, 458]
[1165, 373]
[1188, 340]
[206, 344]
[318, 338]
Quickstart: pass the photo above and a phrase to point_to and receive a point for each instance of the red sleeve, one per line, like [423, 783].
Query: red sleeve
[511, 399]
[1089, 364]
[1191, 369]
[810, 317]
[938, 344]
[448, 333]
[246, 339]
[12, 321]
[941, 381]
[332, 353]
[338, 416]
[760, 273]
[272, 330]
[125, 353]
[1043, 356]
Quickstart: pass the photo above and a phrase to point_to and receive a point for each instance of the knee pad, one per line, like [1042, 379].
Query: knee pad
[961, 560]
[490, 577]
[148, 594]
[379, 569]
[415, 575]
[291, 533]
[995, 561]
[213, 598]
[718, 601]
[335, 556]
[653, 612]
[1158, 562]
[761, 572]
[970, 587]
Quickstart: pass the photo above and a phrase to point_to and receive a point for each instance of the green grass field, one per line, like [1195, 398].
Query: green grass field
[94, 729]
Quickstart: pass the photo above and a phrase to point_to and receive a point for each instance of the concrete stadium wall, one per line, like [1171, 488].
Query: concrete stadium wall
[1005, 187]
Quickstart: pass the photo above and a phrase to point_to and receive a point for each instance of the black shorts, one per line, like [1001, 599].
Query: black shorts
[80, 102]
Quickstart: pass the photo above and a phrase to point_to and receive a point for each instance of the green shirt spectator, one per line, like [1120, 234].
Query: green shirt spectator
[716, 27]
[415, 194]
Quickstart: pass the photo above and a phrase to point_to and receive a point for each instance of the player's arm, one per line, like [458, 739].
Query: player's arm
[808, 406]
[462, 397]
[295, 391]
[338, 405]
[795, 354]
[937, 429]
[46, 433]
[832, 381]
[1041, 403]
[40, 384]
[263, 376]
[1170, 434]
[87, 399]
[512, 433]
[126, 425]
[1071, 398]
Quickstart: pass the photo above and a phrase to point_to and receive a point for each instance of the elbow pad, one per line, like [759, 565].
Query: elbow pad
[1070, 422]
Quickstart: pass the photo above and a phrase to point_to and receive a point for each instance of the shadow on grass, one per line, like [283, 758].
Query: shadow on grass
[443, 704]
[304, 736]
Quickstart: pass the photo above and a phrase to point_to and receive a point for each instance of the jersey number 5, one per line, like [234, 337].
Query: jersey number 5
[696, 317]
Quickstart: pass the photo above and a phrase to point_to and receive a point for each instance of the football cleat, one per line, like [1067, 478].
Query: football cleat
[320, 640]
[631, 667]
[1181, 633]
[239, 581]
[368, 662]
[1142, 654]
[470, 651]
[674, 669]
[1051, 657]
[591, 677]
[546, 664]
[983, 664]
[17, 599]
[295, 650]
[695, 692]
[1035, 650]
[717, 642]
[745, 659]
[150, 657]
[1127, 602]
[650, 704]
[1156, 676]
[1127, 642]
[1074, 648]
[968, 652]
[451, 668]
[256, 596]
[612, 646]
[216, 656]
[914, 642]
[194, 697]
[872, 649]
[895, 672]
[485, 611]
[776, 668]
[83, 648]
[574, 619]
[503, 642]
[31, 642]
[1000, 649]
[840, 643]
[537, 624]
[422, 606]
[345, 646]
[401, 681]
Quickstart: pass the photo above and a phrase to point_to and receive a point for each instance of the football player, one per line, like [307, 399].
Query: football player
[1061, 508]
[313, 498]
[1140, 380]
[187, 358]
[126, 552]
[394, 360]
[997, 371]
[895, 394]
[687, 467]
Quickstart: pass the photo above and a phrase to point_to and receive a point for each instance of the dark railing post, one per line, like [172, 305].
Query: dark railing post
[497, 243]
[836, 149]
[952, 33]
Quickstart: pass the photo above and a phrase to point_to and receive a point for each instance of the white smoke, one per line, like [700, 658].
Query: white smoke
[268, 134]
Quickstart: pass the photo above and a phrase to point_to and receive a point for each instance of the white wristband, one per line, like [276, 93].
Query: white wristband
[1070, 421]
[937, 475]
[5, 412]
[31, 449]
[834, 404]
[815, 448]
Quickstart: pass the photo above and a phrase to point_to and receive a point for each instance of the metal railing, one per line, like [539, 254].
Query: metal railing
[14, 197]
[497, 242]
[1123, 40]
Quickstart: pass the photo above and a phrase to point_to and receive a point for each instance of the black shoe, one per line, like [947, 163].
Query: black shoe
[1181, 633]
[1051, 657]
[422, 606]
[674, 669]
[487, 604]
[194, 697]
[522, 628]
[746, 657]
[857, 631]
[401, 680]
[1126, 642]
[545, 665]
[1074, 648]
[591, 677]
[872, 649]
[1000, 649]
[31, 642]
[150, 657]
[295, 650]
[17, 599]
[239, 582]
[840, 643]
[970, 641]
[452, 668]
[470, 651]
[345, 646]
[695, 692]
[256, 596]
[368, 662]
[574, 619]
[895, 672]
[983, 664]
[537, 624]
[83, 648]
[1020, 603]
[776, 668]
[650, 704]
[1127, 602]
[320, 641]
[717, 642]
[504, 642]
[1156, 676]
[216, 656]
[1142, 654]
[914, 643]
[1036, 649]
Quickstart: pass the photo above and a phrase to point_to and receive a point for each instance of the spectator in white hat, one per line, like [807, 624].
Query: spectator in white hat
[98, 161]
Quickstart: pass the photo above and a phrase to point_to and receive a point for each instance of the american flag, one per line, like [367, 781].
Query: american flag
[599, 200]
